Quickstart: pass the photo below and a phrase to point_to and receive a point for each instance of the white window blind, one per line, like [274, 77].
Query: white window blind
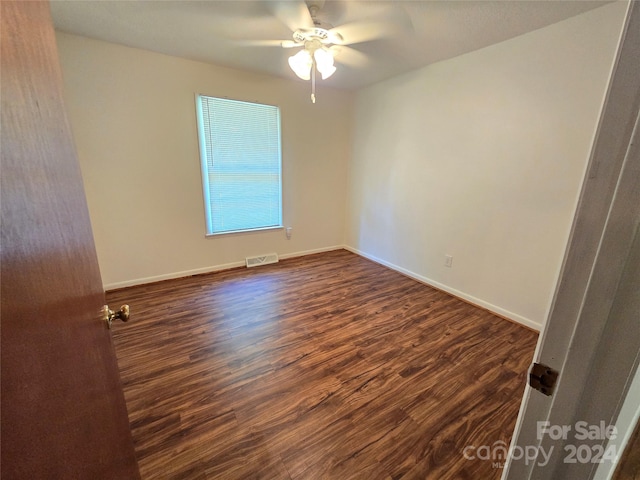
[241, 164]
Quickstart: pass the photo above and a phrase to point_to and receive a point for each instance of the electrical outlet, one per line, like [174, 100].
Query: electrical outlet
[448, 261]
[288, 232]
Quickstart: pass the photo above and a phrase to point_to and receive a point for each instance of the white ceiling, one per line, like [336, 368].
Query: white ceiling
[419, 32]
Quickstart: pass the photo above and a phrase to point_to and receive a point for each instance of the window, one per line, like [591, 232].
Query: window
[241, 164]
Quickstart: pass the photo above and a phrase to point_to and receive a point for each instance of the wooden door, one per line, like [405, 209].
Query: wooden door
[63, 410]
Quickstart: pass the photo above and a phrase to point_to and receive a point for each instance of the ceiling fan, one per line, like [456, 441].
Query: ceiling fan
[320, 43]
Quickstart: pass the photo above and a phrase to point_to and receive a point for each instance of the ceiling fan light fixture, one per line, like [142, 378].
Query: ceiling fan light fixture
[327, 72]
[324, 62]
[301, 64]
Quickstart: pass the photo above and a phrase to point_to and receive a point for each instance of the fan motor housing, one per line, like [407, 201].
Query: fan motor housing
[302, 35]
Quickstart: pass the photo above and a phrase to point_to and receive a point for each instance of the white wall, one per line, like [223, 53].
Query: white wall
[133, 117]
[482, 157]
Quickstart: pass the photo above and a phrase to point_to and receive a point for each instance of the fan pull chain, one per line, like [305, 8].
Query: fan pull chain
[313, 82]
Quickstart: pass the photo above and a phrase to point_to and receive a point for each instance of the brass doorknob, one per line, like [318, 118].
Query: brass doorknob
[109, 315]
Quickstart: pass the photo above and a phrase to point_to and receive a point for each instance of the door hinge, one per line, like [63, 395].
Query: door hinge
[543, 378]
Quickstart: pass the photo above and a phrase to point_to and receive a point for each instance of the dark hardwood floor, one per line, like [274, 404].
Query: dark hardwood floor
[324, 366]
[629, 466]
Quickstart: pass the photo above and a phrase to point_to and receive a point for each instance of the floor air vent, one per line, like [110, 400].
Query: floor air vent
[262, 260]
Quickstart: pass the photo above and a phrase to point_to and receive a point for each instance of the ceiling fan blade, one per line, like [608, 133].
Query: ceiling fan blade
[294, 14]
[269, 43]
[291, 44]
[359, 32]
[260, 43]
[349, 56]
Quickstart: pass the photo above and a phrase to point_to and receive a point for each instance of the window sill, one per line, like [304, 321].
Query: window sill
[251, 230]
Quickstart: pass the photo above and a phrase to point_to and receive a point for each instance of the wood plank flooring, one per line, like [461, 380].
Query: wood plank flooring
[629, 466]
[327, 366]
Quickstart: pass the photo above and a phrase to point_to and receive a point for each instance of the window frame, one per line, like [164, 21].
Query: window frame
[204, 170]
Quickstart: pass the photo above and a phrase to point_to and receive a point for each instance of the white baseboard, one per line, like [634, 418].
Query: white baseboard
[211, 269]
[311, 252]
[169, 276]
[456, 293]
